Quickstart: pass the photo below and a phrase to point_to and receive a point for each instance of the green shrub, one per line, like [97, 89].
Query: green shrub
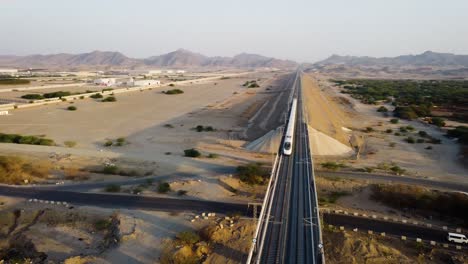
[394, 121]
[389, 131]
[392, 144]
[460, 132]
[382, 109]
[97, 96]
[70, 144]
[109, 99]
[33, 96]
[403, 130]
[420, 140]
[397, 170]
[422, 201]
[71, 108]
[112, 188]
[108, 143]
[164, 187]
[252, 173]
[422, 133]
[111, 169]
[102, 224]
[13, 81]
[182, 192]
[410, 140]
[58, 94]
[174, 91]
[437, 121]
[410, 128]
[188, 238]
[212, 156]
[30, 140]
[331, 165]
[193, 153]
[369, 129]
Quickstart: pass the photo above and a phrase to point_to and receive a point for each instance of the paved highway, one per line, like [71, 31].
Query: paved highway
[390, 228]
[126, 201]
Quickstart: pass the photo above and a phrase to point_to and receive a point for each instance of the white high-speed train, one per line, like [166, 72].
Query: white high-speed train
[288, 140]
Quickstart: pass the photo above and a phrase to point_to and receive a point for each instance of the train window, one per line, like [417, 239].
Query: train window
[287, 145]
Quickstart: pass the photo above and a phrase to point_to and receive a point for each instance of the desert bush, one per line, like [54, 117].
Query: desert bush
[420, 140]
[32, 96]
[182, 192]
[30, 140]
[410, 140]
[111, 169]
[437, 121]
[382, 109]
[109, 99]
[394, 120]
[112, 188]
[422, 201]
[164, 187]
[252, 173]
[212, 156]
[174, 91]
[102, 224]
[369, 129]
[108, 143]
[193, 153]
[121, 141]
[397, 170]
[97, 96]
[56, 94]
[331, 165]
[389, 131]
[15, 170]
[188, 238]
[422, 134]
[70, 144]
[13, 81]
[72, 108]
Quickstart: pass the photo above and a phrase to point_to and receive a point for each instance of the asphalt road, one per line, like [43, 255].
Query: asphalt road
[453, 186]
[126, 201]
[390, 228]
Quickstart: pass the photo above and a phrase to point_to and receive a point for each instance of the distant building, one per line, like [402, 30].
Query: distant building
[169, 71]
[8, 71]
[143, 82]
[105, 81]
[3, 112]
[180, 71]
[154, 72]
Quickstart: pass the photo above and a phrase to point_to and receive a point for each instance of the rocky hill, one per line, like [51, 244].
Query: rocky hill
[180, 58]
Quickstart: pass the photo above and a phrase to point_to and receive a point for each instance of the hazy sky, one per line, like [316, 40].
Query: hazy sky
[302, 30]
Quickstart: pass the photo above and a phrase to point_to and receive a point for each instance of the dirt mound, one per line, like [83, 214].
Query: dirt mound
[268, 143]
[323, 145]
[324, 111]
[353, 248]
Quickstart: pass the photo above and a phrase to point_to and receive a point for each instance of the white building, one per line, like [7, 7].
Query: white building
[105, 81]
[180, 71]
[169, 71]
[8, 71]
[144, 82]
[4, 112]
[154, 72]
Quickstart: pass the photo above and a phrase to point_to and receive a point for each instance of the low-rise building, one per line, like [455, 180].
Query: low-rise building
[144, 82]
[105, 81]
[8, 71]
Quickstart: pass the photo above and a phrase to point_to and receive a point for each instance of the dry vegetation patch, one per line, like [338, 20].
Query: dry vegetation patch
[355, 247]
[18, 170]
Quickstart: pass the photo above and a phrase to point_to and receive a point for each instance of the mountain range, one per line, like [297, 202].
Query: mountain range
[427, 58]
[180, 58]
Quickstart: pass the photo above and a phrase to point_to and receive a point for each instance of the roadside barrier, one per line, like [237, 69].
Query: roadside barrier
[417, 240]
